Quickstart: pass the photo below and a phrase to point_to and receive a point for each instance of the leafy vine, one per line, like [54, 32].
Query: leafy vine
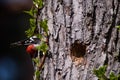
[100, 73]
[38, 28]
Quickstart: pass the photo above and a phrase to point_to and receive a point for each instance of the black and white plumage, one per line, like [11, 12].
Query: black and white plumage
[26, 42]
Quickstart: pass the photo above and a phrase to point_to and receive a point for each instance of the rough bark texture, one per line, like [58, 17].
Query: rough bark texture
[82, 37]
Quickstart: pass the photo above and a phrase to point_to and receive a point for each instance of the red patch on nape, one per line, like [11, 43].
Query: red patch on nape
[30, 49]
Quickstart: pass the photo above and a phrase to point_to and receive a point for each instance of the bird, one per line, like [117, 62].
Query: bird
[31, 45]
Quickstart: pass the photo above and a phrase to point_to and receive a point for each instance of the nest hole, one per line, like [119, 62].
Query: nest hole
[78, 51]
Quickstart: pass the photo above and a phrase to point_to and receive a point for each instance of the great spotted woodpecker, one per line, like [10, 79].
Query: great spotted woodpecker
[31, 44]
[31, 48]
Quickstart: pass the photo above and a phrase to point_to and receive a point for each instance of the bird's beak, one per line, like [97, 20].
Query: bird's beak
[16, 44]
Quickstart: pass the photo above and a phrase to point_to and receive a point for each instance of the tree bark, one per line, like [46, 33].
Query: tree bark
[82, 36]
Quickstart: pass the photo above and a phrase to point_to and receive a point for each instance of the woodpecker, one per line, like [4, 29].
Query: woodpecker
[31, 44]
[31, 48]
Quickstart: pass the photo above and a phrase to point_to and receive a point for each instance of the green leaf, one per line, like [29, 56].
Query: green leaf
[38, 3]
[32, 12]
[30, 31]
[44, 25]
[114, 77]
[32, 23]
[43, 47]
[39, 36]
[36, 60]
[29, 13]
[118, 27]
[102, 69]
[37, 73]
[100, 73]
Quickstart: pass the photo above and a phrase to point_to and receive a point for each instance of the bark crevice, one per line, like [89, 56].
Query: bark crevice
[92, 23]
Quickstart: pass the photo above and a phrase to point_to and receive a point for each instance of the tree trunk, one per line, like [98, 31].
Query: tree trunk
[82, 37]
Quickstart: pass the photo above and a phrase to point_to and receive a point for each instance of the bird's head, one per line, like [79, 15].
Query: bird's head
[32, 49]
